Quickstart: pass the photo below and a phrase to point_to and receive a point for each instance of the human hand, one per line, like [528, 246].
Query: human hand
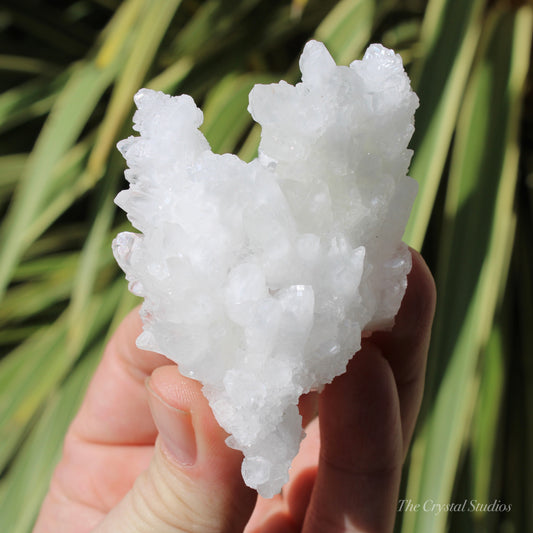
[117, 475]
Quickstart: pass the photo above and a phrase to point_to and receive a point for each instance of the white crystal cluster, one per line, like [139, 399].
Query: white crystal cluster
[258, 278]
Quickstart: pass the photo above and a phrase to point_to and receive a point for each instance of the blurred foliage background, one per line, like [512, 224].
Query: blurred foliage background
[68, 72]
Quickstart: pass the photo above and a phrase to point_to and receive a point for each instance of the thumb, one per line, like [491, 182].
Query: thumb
[193, 482]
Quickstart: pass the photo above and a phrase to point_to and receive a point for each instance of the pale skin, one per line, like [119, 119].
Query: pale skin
[145, 454]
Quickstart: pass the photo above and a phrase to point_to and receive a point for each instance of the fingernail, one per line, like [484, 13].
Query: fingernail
[175, 428]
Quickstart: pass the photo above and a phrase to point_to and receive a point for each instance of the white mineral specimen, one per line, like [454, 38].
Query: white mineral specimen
[258, 278]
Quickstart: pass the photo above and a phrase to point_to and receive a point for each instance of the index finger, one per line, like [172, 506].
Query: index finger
[406, 346]
[366, 419]
[115, 409]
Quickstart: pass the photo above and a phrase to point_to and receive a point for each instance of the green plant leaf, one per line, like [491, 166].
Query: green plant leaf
[35, 368]
[73, 107]
[450, 35]
[486, 418]
[96, 253]
[477, 242]
[225, 115]
[29, 100]
[10, 169]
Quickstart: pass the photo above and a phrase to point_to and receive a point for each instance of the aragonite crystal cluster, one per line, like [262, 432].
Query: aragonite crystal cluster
[258, 278]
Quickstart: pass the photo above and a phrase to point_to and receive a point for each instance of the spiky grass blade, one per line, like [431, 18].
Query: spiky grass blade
[95, 254]
[450, 34]
[71, 111]
[29, 100]
[485, 422]
[30, 373]
[478, 235]
[10, 168]
[225, 116]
